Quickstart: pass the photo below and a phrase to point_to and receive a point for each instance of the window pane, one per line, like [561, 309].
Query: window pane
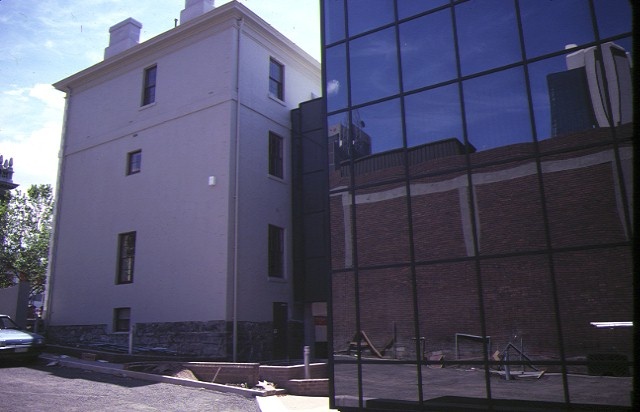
[549, 26]
[433, 115]
[374, 68]
[333, 20]
[497, 110]
[407, 8]
[427, 62]
[336, 77]
[488, 35]
[614, 17]
[379, 127]
[366, 14]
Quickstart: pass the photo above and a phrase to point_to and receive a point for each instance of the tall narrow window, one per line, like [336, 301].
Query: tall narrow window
[276, 79]
[149, 86]
[276, 252]
[275, 155]
[126, 257]
[121, 319]
[134, 162]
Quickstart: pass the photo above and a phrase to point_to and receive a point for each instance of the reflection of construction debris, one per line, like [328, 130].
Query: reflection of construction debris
[507, 362]
[361, 342]
[507, 375]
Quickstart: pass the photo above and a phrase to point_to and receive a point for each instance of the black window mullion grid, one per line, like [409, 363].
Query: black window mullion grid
[544, 211]
[408, 201]
[472, 210]
[352, 210]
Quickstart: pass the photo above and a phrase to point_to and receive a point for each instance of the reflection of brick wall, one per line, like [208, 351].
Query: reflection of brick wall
[584, 208]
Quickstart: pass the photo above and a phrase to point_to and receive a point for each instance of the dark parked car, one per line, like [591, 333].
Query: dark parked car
[16, 343]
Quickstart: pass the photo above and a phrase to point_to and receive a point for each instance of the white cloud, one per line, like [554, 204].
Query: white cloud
[30, 131]
[333, 87]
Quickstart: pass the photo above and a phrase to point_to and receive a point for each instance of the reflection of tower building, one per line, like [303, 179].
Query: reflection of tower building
[346, 140]
[578, 98]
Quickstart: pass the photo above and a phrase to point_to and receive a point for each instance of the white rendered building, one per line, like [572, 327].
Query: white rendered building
[174, 206]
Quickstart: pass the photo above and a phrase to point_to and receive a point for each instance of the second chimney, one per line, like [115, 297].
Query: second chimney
[124, 35]
[195, 8]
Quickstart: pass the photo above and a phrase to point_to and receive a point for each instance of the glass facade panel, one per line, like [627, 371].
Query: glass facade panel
[497, 111]
[408, 8]
[433, 116]
[378, 128]
[487, 35]
[333, 20]
[378, 209]
[545, 27]
[336, 87]
[451, 333]
[374, 66]
[485, 205]
[427, 62]
[366, 15]
[441, 217]
[572, 183]
[613, 17]
[508, 208]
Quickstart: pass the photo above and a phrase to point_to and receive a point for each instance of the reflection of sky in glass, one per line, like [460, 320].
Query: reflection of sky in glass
[382, 123]
[366, 14]
[428, 54]
[614, 17]
[407, 8]
[488, 35]
[333, 20]
[433, 115]
[374, 71]
[540, 92]
[549, 26]
[497, 109]
[336, 90]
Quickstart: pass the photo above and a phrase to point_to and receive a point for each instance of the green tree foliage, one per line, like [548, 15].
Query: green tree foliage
[25, 231]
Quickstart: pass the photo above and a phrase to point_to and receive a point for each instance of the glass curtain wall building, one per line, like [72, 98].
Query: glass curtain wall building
[480, 196]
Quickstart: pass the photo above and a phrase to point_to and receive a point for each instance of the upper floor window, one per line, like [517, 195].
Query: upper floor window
[126, 257]
[276, 251]
[275, 155]
[276, 79]
[149, 86]
[134, 162]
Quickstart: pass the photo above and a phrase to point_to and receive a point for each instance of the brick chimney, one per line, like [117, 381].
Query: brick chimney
[195, 8]
[124, 35]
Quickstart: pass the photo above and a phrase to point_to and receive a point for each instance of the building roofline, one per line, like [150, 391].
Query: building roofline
[223, 13]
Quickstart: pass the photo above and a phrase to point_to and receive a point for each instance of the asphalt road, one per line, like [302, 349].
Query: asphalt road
[37, 387]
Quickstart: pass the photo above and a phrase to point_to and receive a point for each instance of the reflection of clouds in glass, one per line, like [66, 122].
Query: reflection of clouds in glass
[488, 35]
[373, 59]
[333, 87]
[497, 109]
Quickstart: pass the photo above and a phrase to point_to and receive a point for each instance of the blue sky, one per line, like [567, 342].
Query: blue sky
[43, 41]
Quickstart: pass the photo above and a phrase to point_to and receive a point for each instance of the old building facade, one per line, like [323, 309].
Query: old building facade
[173, 213]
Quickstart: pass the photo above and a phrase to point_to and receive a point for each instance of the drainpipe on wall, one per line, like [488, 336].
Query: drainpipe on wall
[236, 201]
[53, 241]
